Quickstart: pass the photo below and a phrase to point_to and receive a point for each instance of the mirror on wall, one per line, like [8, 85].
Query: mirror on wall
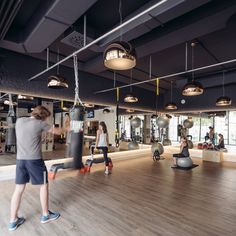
[14, 106]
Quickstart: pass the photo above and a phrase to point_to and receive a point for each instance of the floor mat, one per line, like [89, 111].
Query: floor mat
[184, 168]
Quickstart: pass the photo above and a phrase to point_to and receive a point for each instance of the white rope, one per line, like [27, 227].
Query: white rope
[77, 98]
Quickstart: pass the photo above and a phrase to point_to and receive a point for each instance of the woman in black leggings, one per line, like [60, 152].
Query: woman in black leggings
[102, 143]
[183, 150]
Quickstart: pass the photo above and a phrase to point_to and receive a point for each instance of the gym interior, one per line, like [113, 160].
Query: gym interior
[161, 74]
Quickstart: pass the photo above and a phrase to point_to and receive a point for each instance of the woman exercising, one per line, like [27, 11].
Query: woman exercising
[221, 144]
[30, 165]
[184, 152]
[102, 142]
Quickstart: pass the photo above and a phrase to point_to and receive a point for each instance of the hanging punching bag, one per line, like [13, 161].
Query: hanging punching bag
[77, 135]
[11, 132]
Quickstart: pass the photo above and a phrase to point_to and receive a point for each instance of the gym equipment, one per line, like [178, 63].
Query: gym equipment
[162, 122]
[157, 146]
[200, 146]
[188, 123]
[190, 144]
[184, 162]
[136, 122]
[166, 142]
[10, 139]
[157, 149]
[76, 130]
[133, 145]
[75, 147]
[89, 162]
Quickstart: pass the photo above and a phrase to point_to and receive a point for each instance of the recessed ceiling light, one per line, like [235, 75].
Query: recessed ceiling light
[89, 105]
[129, 110]
[25, 97]
[6, 102]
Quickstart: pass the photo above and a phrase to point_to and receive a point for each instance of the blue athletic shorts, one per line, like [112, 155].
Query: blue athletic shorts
[34, 171]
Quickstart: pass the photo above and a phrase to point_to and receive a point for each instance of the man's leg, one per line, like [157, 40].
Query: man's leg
[44, 198]
[16, 200]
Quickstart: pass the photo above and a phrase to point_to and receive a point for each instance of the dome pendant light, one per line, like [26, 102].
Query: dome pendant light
[56, 81]
[171, 105]
[223, 100]
[130, 97]
[120, 55]
[192, 88]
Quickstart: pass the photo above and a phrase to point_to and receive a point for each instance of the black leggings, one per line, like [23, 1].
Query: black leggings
[105, 151]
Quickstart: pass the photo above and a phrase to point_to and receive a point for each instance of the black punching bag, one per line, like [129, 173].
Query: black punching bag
[11, 132]
[77, 134]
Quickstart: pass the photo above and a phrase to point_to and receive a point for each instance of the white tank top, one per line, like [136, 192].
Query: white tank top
[102, 142]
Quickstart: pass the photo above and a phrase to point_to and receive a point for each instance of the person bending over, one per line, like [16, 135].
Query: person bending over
[184, 152]
[221, 144]
[30, 165]
[102, 142]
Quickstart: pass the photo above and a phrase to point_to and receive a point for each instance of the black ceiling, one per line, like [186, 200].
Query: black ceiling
[162, 34]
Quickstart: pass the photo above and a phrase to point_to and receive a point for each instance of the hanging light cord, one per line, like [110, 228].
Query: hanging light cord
[171, 92]
[150, 67]
[58, 59]
[114, 78]
[131, 77]
[77, 98]
[47, 57]
[193, 44]
[223, 83]
[121, 21]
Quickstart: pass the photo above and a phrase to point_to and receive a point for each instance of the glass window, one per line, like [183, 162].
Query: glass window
[221, 127]
[173, 132]
[232, 127]
[205, 123]
[195, 130]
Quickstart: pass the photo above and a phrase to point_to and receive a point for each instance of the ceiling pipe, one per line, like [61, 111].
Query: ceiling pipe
[170, 75]
[100, 38]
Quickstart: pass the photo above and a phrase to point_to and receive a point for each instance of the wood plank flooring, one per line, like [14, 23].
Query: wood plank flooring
[141, 198]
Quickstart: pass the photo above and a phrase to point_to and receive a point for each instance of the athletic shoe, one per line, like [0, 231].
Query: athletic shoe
[14, 225]
[50, 217]
[107, 172]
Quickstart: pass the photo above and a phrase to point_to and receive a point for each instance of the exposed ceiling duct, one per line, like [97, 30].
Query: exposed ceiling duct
[173, 33]
[8, 11]
[58, 17]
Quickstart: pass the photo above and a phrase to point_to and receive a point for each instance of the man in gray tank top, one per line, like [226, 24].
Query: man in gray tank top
[30, 165]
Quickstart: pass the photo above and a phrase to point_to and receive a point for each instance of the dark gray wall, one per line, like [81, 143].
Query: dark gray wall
[16, 69]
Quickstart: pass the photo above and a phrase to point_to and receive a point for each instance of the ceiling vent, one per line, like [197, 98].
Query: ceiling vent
[75, 39]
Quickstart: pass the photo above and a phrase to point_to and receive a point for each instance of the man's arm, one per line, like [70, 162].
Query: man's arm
[57, 131]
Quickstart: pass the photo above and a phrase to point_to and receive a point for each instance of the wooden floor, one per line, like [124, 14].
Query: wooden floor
[140, 198]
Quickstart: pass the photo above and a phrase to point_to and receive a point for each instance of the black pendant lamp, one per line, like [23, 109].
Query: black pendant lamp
[56, 81]
[130, 97]
[171, 105]
[223, 100]
[120, 55]
[192, 88]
